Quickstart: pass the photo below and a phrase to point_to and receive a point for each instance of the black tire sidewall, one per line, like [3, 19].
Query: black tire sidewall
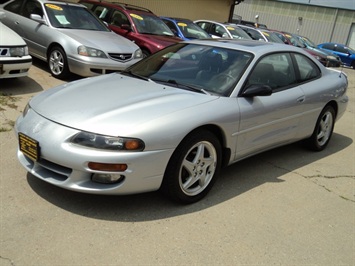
[171, 186]
[65, 73]
[312, 142]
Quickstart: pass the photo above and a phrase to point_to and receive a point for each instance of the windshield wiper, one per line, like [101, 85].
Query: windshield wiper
[185, 86]
[130, 73]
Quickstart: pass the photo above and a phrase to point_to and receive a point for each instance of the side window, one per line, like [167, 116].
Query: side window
[341, 49]
[101, 12]
[219, 31]
[14, 7]
[204, 26]
[170, 25]
[307, 69]
[32, 7]
[328, 46]
[275, 70]
[118, 19]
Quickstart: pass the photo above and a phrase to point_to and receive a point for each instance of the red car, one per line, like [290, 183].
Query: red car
[136, 23]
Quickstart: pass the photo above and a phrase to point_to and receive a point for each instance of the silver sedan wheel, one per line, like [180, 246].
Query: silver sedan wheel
[198, 168]
[56, 62]
[325, 128]
[193, 167]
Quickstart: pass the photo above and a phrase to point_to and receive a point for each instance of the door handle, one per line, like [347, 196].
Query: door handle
[301, 99]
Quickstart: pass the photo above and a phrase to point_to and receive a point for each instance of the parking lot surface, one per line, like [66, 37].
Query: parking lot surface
[288, 206]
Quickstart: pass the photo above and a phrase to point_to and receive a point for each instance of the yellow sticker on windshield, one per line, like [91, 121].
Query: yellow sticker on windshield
[230, 28]
[136, 16]
[265, 33]
[288, 36]
[55, 7]
[182, 24]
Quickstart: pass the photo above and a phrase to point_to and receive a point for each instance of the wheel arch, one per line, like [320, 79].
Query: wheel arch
[49, 48]
[334, 105]
[218, 132]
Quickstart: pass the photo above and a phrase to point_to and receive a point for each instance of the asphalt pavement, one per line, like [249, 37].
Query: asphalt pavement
[288, 206]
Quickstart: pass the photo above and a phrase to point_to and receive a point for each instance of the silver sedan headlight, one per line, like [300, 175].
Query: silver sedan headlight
[19, 51]
[107, 142]
[138, 54]
[92, 52]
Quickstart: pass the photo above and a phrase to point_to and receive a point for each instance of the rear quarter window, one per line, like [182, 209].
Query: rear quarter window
[308, 70]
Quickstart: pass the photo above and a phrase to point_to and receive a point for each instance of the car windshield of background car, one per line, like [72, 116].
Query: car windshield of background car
[147, 24]
[213, 69]
[238, 33]
[271, 37]
[192, 31]
[73, 17]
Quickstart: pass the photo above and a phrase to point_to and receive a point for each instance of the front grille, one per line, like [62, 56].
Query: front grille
[49, 169]
[120, 57]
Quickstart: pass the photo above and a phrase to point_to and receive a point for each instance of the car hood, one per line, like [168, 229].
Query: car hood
[105, 40]
[9, 37]
[161, 39]
[113, 103]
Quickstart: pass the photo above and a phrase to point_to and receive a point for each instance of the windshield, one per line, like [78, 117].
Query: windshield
[148, 24]
[192, 31]
[238, 33]
[309, 42]
[205, 68]
[272, 37]
[73, 17]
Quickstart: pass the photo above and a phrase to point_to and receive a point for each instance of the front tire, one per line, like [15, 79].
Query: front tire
[58, 63]
[193, 168]
[323, 130]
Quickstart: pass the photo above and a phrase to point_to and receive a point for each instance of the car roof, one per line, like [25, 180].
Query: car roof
[121, 5]
[177, 19]
[255, 47]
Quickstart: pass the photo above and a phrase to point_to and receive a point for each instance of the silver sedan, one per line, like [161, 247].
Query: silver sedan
[69, 37]
[174, 119]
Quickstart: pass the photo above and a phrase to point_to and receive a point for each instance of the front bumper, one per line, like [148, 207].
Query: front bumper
[66, 165]
[11, 67]
[91, 66]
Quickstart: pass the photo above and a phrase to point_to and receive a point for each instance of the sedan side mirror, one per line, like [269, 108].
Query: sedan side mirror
[38, 18]
[257, 90]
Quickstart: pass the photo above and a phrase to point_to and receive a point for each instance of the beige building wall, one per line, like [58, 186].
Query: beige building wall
[191, 9]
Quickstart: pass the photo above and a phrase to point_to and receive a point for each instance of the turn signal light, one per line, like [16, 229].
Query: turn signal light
[107, 167]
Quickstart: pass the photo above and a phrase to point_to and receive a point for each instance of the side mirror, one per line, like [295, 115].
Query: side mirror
[257, 90]
[38, 18]
[2, 15]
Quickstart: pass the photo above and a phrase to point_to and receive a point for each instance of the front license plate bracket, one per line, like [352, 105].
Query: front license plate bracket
[29, 146]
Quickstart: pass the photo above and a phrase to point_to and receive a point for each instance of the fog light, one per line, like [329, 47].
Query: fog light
[107, 178]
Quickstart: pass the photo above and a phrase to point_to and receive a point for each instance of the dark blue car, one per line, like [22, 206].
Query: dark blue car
[185, 29]
[346, 54]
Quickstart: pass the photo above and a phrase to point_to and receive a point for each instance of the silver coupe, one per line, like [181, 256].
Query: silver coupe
[174, 119]
[69, 37]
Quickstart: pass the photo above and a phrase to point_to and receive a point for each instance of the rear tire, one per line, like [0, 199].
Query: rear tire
[193, 168]
[58, 63]
[323, 130]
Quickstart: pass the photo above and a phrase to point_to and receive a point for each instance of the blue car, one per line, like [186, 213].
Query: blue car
[185, 29]
[346, 54]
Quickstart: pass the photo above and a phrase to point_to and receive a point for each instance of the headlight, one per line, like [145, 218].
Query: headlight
[107, 143]
[25, 110]
[92, 52]
[138, 54]
[19, 51]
